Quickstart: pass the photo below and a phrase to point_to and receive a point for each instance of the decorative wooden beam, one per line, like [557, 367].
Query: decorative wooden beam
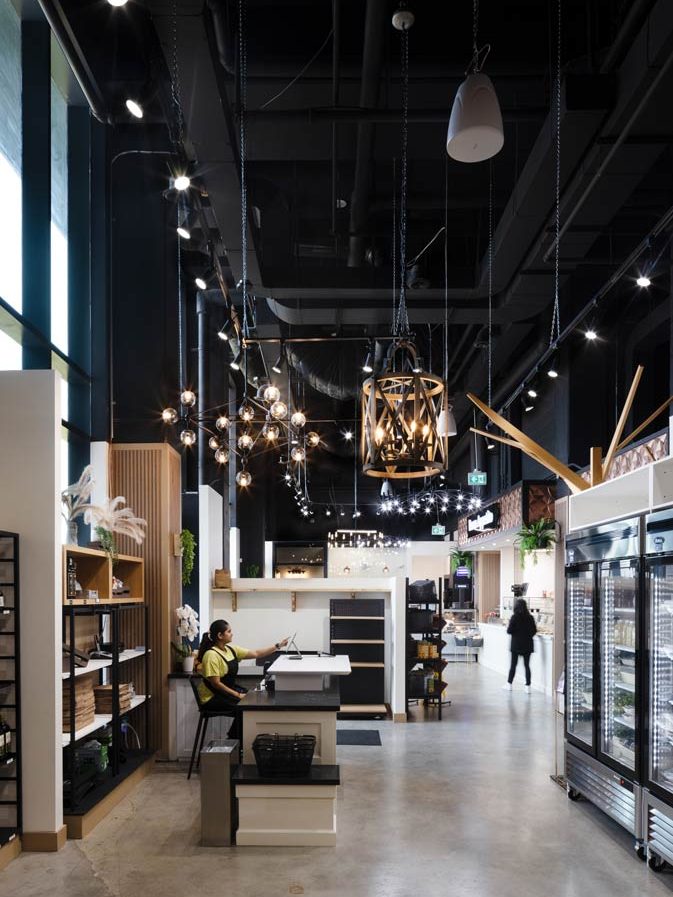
[621, 423]
[526, 444]
[644, 424]
[596, 465]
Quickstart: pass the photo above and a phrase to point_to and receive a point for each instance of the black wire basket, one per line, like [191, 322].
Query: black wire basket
[284, 755]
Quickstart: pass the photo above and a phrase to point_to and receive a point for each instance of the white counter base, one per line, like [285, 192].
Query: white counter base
[286, 815]
[495, 655]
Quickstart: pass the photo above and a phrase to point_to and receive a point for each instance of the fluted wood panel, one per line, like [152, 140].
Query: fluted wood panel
[488, 581]
[148, 476]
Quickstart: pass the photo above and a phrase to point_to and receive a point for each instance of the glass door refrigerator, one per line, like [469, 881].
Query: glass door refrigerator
[658, 728]
[603, 610]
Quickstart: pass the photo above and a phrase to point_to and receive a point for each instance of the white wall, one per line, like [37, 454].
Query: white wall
[30, 463]
[540, 576]
[510, 573]
[209, 548]
[366, 562]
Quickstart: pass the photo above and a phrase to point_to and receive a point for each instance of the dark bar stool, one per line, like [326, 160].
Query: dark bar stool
[205, 716]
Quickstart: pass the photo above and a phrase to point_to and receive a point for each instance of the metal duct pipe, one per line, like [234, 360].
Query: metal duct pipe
[322, 384]
[219, 13]
[372, 60]
[72, 51]
[360, 115]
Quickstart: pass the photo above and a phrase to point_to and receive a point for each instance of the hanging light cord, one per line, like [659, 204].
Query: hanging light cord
[446, 271]
[490, 284]
[402, 313]
[556, 318]
[181, 372]
[479, 56]
[394, 324]
[175, 80]
[243, 63]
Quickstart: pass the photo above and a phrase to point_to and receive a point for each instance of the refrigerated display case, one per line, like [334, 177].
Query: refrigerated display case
[658, 792]
[603, 610]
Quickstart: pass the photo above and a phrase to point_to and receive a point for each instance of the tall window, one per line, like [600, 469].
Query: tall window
[59, 219]
[10, 165]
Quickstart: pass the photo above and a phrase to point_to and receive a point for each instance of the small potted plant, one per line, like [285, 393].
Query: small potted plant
[461, 559]
[187, 629]
[540, 535]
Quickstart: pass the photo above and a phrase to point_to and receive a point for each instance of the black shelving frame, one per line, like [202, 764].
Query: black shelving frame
[357, 628]
[122, 763]
[424, 619]
[10, 766]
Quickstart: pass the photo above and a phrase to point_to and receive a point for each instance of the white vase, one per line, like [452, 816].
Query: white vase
[71, 537]
[188, 664]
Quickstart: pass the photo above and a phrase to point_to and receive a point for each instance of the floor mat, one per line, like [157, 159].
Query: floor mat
[359, 736]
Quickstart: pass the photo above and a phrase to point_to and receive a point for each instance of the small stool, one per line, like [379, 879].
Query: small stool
[205, 716]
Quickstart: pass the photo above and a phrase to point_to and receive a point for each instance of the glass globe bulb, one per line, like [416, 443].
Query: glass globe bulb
[244, 478]
[297, 454]
[298, 419]
[188, 437]
[271, 432]
[221, 456]
[169, 415]
[222, 422]
[214, 443]
[278, 410]
[271, 394]
[245, 442]
[313, 438]
[187, 397]
[246, 412]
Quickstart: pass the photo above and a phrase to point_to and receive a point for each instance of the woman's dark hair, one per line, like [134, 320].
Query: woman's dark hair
[217, 627]
[520, 606]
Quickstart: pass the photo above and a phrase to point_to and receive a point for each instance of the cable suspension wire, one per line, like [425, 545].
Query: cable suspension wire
[446, 272]
[490, 282]
[402, 313]
[175, 80]
[181, 354]
[243, 75]
[394, 320]
[556, 317]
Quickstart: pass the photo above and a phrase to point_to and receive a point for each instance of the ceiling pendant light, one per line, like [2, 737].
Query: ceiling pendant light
[244, 478]
[117, 2]
[446, 422]
[475, 127]
[643, 281]
[169, 416]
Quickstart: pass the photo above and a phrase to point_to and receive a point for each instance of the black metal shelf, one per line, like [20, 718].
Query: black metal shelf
[358, 624]
[430, 631]
[134, 759]
[10, 704]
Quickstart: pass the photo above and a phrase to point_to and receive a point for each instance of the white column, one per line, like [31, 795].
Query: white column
[209, 549]
[268, 560]
[235, 552]
[30, 474]
[100, 462]
[398, 613]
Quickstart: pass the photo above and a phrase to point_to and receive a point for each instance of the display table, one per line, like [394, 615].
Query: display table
[293, 712]
[287, 812]
[307, 673]
[495, 655]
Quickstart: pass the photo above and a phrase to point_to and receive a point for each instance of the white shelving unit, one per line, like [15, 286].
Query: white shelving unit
[101, 663]
[100, 720]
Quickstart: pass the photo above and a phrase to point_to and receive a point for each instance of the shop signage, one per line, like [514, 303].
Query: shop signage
[477, 478]
[438, 529]
[485, 521]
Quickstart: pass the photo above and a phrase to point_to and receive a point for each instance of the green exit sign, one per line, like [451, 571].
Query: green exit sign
[477, 478]
[438, 529]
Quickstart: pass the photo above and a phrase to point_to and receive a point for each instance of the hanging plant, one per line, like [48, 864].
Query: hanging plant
[540, 535]
[188, 544]
[461, 559]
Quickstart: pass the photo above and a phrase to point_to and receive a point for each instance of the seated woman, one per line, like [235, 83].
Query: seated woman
[218, 662]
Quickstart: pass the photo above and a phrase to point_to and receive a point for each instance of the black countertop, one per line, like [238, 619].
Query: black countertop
[318, 775]
[327, 699]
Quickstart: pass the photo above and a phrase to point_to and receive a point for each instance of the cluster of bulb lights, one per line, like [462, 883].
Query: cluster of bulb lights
[439, 501]
[370, 538]
[276, 413]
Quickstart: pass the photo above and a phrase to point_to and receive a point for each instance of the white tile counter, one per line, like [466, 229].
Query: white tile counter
[495, 655]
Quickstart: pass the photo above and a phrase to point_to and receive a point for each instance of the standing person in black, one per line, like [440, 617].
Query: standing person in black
[522, 628]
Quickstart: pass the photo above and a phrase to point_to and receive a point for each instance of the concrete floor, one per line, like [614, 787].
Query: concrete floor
[463, 807]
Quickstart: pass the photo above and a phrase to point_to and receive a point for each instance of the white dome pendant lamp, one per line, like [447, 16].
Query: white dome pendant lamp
[475, 127]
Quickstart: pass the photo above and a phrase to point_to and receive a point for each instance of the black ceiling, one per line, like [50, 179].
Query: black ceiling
[324, 157]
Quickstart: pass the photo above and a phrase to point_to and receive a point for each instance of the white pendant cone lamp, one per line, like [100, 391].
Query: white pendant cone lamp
[475, 127]
[446, 423]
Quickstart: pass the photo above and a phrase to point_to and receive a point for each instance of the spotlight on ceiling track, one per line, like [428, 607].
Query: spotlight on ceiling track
[490, 445]
[235, 363]
[643, 281]
[591, 335]
[134, 108]
[277, 366]
[532, 393]
[181, 182]
[184, 232]
[528, 406]
[117, 2]
[552, 372]
[367, 366]
[200, 283]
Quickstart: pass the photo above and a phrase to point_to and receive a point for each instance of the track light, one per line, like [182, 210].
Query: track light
[529, 406]
[348, 435]
[418, 366]
[277, 366]
[200, 283]
[183, 232]
[367, 366]
[117, 2]
[490, 445]
[134, 108]
[591, 335]
[532, 393]
[552, 372]
[181, 182]
[235, 363]
[643, 281]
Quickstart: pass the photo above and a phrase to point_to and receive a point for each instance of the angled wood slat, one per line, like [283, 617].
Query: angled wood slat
[621, 423]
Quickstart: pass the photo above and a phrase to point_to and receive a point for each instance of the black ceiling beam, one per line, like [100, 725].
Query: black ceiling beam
[357, 115]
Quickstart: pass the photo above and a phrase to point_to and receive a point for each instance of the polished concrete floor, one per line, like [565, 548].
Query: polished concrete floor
[464, 807]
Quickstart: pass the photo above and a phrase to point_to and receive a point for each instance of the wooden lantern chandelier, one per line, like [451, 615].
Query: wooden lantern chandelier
[400, 411]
